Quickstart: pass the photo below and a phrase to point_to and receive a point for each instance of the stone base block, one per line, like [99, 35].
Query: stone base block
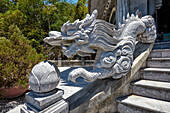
[50, 102]
[43, 100]
[58, 107]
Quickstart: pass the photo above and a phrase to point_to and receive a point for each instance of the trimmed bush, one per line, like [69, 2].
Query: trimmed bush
[17, 58]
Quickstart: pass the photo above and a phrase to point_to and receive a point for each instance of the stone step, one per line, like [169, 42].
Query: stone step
[158, 62]
[153, 89]
[139, 104]
[162, 45]
[158, 74]
[160, 53]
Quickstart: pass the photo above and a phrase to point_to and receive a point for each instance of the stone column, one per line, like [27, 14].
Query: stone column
[44, 97]
[118, 13]
[82, 61]
[122, 11]
[59, 61]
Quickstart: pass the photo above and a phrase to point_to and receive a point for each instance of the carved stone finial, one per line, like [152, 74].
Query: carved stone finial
[44, 77]
[45, 97]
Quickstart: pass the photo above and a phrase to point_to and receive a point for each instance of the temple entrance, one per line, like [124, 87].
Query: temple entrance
[163, 21]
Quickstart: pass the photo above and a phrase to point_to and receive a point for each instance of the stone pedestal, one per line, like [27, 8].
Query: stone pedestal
[44, 97]
[51, 102]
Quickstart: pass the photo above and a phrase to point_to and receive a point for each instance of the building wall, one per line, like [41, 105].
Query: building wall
[140, 5]
[131, 6]
[97, 4]
[123, 7]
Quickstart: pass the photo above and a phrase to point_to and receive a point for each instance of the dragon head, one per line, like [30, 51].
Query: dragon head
[84, 36]
[149, 35]
[77, 34]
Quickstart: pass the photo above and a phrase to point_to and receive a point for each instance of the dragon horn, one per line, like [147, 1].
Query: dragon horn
[128, 16]
[137, 12]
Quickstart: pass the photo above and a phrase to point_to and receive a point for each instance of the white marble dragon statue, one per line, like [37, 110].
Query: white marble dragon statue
[114, 48]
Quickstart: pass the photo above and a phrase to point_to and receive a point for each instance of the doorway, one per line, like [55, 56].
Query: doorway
[163, 21]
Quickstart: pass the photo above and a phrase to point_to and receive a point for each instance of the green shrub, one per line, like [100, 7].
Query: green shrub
[17, 58]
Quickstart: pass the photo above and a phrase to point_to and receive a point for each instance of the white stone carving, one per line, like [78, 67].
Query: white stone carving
[115, 48]
[44, 77]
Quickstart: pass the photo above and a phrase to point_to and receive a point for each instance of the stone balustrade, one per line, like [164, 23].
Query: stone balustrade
[99, 95]
[73, 63]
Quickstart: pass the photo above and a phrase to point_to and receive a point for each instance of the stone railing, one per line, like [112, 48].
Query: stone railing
[101, 95]
[44, 97]
[72, 63]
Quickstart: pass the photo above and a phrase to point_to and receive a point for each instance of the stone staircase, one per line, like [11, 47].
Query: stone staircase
[151, 94]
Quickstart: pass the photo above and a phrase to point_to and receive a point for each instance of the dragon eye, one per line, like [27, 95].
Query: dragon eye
[150, 21]
[71, 32]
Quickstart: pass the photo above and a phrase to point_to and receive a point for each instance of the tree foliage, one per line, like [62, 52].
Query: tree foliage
[23, 25]
[35, 18]
[17, 58]
[81, 9]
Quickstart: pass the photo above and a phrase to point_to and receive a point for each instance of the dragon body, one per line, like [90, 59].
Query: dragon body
[114, 48]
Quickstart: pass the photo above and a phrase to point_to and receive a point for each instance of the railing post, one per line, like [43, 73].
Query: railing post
[59, 61]
[45, 97]
[82, 61]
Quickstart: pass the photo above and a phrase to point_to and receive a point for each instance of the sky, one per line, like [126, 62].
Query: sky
[75, 1]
